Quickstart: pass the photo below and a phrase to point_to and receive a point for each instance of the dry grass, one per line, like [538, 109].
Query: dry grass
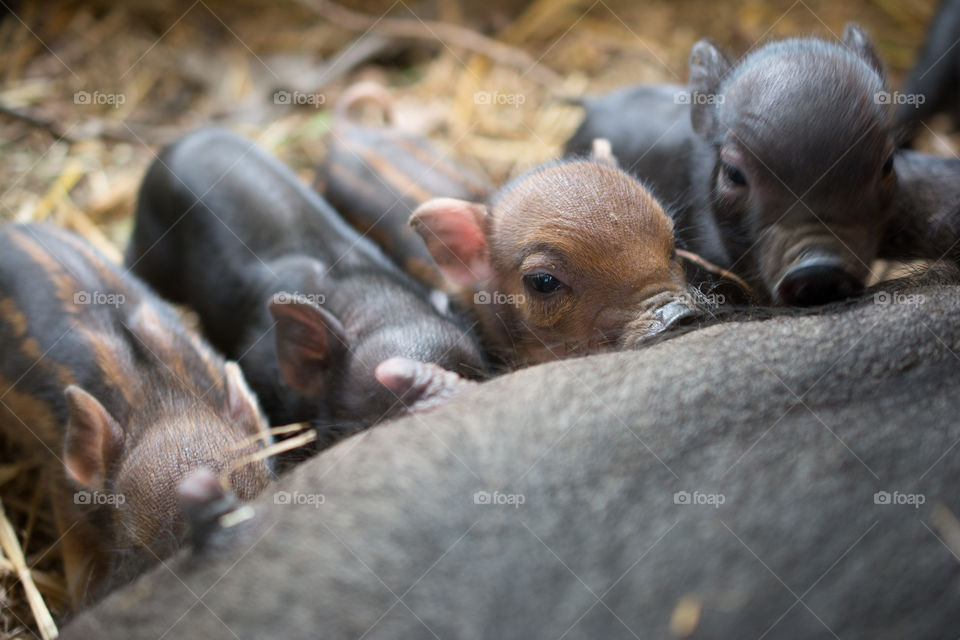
[179, 66]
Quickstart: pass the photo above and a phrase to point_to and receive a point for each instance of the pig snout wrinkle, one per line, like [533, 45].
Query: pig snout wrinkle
[817, 281]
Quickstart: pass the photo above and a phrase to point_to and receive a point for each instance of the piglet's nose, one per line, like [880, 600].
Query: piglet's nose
[817, 281]
[673, 314]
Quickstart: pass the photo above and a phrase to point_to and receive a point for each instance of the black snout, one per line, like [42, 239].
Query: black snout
[817, 282]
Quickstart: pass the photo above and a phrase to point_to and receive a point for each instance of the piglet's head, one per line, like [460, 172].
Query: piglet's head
[571, 257]
[334, 362]
[804, 171]
[127, 470]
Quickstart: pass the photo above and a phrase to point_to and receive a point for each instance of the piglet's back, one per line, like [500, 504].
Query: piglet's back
[213, 170]
[71, 317]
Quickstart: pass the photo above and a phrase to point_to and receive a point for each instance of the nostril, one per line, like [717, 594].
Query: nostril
[814, 284]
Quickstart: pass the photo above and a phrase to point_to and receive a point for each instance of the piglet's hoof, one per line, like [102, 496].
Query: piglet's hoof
[421, 386]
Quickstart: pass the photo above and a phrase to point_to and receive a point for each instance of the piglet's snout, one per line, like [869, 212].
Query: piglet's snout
[673, 314]
[817, 279]
[669, 315]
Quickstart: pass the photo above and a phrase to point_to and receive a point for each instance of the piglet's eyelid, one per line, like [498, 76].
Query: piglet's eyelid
[540, 263]
[732, 161]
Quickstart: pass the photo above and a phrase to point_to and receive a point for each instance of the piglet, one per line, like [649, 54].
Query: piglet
[926, 219]
[122, 400]
[572, 257]
[376, 176]
[933, 85]
[778, 167]
[306, 305]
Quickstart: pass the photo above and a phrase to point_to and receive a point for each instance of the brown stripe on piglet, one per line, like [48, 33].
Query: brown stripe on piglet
[16, 322]
[114, 363]
[104, 269]
[192, 362]
[33, 419]
[401, 182]
[65, 284]
[440, 164]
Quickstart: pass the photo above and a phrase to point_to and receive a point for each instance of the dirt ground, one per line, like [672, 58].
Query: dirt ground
[89, 92]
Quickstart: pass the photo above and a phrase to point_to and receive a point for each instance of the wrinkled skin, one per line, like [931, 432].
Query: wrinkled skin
[796, 421]
[570, 258]
[307, 306]
[767, 174]
[101, 378]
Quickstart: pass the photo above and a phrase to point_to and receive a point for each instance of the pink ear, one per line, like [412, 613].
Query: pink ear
[241, 403]
[309, 340]
[421, 386]
[455, 234]
[94, 439]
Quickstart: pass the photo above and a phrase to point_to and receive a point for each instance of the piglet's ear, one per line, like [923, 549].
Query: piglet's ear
[455, 232]
[309, 341]
[601, 152]
[708, 66]
[856, 38]
[242, 404]
[421, 386]
[94, 439]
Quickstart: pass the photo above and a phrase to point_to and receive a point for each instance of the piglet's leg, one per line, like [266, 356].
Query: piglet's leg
[421, 386]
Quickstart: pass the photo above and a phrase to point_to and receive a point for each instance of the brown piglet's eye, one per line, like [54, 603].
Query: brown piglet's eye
[542, 282]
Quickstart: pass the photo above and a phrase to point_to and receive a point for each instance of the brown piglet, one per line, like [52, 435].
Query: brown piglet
[573, 257]
[119, 399]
